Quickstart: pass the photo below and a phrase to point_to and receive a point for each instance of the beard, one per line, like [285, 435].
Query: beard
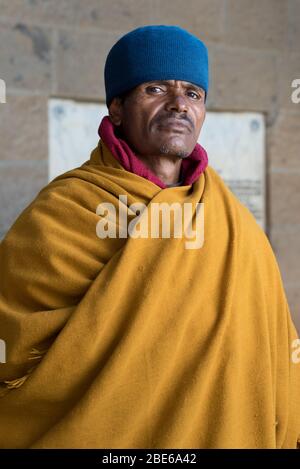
[173, 150]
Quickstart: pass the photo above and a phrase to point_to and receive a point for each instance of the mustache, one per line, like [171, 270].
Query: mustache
[174, 115]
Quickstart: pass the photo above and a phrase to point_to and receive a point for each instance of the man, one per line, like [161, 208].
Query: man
[134, 341]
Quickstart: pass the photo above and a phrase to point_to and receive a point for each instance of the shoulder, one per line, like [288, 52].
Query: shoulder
[243, 226]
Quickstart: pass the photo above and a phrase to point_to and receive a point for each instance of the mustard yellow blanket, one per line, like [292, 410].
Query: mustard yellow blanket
[141, 342]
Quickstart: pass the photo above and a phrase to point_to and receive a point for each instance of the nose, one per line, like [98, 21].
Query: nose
[176, 102]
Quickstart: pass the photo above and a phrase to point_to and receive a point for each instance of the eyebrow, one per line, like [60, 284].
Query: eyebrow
[186, 84]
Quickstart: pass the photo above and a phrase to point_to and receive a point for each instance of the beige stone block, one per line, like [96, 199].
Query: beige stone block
[25, 57]
[204, 19]
[104, 14]
[286, 246]
[284, 199]
[117, 15]
[241, 79]
[79, 63]
[293, 297]
[294, 24]
[53, 12]
[201, 18]
[257, 23]
[19, 184]
[24, 128]
[288, 69]
[283, 140]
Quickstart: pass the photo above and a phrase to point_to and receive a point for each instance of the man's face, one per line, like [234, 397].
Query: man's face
[161, 117]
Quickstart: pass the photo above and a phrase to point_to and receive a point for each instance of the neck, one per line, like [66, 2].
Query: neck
[165, 167]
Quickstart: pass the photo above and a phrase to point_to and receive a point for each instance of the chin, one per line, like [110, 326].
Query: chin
[174, 150]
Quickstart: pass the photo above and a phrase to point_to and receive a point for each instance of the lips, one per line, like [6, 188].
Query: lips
[175, 124]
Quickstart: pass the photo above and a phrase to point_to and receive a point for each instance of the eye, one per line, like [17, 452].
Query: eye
[151, 88]
[196, 96]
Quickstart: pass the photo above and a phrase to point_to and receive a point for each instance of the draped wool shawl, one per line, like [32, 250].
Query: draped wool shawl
[140, 342]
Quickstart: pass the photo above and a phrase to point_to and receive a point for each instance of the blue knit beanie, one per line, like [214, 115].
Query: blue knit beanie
[156, 52]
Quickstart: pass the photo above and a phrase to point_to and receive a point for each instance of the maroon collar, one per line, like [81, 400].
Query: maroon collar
[191, 167]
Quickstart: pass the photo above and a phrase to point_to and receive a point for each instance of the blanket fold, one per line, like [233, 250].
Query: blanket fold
[140, 342]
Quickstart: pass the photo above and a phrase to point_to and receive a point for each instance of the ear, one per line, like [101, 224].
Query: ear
[115, 111]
